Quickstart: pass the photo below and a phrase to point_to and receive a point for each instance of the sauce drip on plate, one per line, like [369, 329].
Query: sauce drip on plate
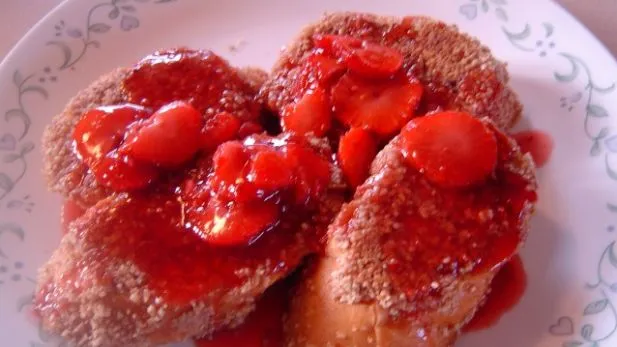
[537, 143]
[507, 289]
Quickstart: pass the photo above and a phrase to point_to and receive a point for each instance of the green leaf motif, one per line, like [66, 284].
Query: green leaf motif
[99, 28]
[612, 257]
[6, 183]
[586, 331]
[612, 174]
[9, 158]
[36, 89]
[22, 116]
[484, 6]
[595, 150]
[574, 70]
[18, 79]
[113, 14]
[501, 14]
[572, 344]
[519, 36]
[14, 113]
[26, 148]
[548, 29]
[66, 52]
[14, 229]
[597, 111]
[604, 90]
[594, 308]
[602, 134]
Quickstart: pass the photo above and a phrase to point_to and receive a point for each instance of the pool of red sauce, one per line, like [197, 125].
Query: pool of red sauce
[537, 143]
[507, 289]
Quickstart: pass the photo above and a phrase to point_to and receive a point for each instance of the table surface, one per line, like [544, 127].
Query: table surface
[597, 15]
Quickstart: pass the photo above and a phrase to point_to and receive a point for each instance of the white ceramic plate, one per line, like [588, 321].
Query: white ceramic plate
[565, 78]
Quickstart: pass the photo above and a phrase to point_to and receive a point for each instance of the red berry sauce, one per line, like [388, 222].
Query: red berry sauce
[221, 225]
[538, 144]
[507, 289]
[449, 232]
[200, 78]
[255, 186]
[152, 232]
[183, 102]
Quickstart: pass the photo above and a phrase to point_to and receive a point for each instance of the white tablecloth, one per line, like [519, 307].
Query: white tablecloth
[17, 16]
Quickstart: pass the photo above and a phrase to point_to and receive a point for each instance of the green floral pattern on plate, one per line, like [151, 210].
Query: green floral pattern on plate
[603, 143]
[73, 41]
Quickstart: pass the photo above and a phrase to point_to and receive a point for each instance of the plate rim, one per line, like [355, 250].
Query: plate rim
[36, 30]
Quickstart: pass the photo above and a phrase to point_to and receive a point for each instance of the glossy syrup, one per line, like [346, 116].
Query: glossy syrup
[507, 289]
[537, 143]
[471, 230]
[200, 78]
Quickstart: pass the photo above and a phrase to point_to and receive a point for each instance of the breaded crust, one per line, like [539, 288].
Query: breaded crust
[93, 294]
[453, 66]
[350, 298]
[65, 172]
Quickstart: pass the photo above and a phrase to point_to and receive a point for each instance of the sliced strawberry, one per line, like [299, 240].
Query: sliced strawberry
[238, 225]
[220, 128]
[270, 171]
[169, 138]
[312, 172]
[249, 128]
[311, 114]
[229, 162]
[375, 61]
[452, 149]
[356, 152]
[401, 31]
[200, 78]
[338, 46]
[383, 107]
[100, 130]
[362, 57]
[326, 69]
[122, 173]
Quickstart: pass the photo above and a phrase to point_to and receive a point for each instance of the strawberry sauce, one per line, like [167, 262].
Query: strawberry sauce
[453, 232]
[182, 102]
[200, 78]
[152, 232]
[537, 143]
[197, 217]
[507, 289]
